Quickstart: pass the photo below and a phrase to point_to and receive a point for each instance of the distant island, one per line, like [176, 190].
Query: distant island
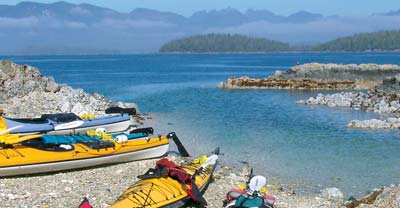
[376, 41]
[231, 43]
[222, 43]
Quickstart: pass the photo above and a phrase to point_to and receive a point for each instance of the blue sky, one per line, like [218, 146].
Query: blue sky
[285, 7]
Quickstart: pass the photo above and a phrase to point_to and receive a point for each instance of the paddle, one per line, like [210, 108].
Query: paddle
[181, 149]
[196, 194]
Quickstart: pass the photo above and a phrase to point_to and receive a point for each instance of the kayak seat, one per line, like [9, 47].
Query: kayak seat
[61, 117]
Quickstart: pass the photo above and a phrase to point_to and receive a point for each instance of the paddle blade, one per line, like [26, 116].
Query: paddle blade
[196, 195]
[70, 125]
[257, 182]
[182, 150]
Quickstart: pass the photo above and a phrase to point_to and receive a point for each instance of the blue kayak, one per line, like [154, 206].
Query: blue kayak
[67, 123]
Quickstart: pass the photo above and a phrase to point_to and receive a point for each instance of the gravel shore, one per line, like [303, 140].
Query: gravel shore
[103, 185]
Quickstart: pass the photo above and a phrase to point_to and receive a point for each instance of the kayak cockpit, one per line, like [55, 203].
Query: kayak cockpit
[67, 145]
[40, 144]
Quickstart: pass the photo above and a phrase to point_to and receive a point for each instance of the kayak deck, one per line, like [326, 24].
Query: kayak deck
[163, 191]
[27, 153]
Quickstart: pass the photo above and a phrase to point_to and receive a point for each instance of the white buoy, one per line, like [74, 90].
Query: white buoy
[122, 138]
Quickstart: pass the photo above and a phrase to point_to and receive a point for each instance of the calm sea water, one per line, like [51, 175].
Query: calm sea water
[295, 143]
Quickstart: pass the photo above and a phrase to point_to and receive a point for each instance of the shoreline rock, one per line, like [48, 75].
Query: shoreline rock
[383, 197]
[389, 123]
[371, 101]
[384, 100]
[292, 84]
[25, 92]
[317, 76]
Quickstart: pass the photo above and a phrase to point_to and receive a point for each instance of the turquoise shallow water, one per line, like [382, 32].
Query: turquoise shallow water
[297, 143]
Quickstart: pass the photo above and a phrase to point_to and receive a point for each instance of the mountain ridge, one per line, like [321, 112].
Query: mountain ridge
[63, 27]
[30, 8]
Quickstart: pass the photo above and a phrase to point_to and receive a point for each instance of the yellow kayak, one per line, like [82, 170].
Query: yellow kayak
[167, 191]
[22, 155]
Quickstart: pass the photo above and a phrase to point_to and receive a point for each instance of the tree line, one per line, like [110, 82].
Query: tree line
[221, 43]
[225, 43]
[377, 41]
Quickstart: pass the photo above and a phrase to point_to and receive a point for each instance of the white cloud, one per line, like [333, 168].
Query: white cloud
[29, 23]
[80, 11]
[56, 24]
[317, 31]
[13, 23]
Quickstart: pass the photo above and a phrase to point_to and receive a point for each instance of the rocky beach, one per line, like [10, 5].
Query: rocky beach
[25, 92]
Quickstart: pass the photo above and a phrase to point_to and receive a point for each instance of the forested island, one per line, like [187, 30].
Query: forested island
[231, 43]
[377, 41]
[223, 43]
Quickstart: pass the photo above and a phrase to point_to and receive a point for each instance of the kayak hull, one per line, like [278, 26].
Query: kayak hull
[152, 152]
[164, 191]
[112, 124]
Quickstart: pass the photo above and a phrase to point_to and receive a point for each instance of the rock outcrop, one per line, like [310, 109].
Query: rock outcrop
[275, 83]
[316, 76]
[342, 71]
[372, 101]
[25, 92]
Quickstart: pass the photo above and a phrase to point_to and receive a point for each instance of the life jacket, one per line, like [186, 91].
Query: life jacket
[165, 167]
